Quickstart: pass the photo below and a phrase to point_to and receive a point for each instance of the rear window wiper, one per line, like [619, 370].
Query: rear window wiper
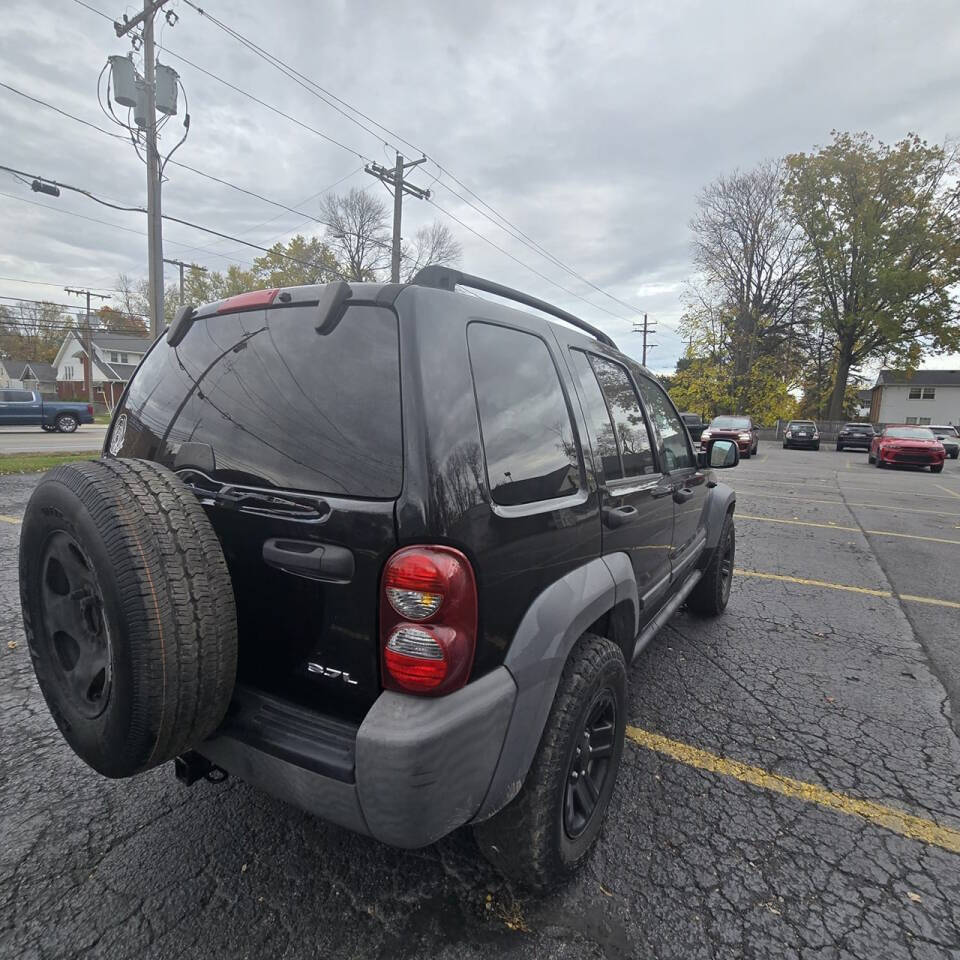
[292, 506]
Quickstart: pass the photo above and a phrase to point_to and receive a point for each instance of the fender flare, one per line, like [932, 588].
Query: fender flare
[558, 617]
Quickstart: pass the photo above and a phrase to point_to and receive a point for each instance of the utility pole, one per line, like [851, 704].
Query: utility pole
[154, 222]
[646, 328]
[395, 179]
[89, 334]
[181, 265]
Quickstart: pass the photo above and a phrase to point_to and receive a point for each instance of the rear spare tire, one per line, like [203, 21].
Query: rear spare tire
[129, 612]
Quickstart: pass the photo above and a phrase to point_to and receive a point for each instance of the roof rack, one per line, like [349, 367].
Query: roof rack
[446, 278]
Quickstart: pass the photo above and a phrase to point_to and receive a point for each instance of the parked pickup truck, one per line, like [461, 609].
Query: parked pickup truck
[19, 408]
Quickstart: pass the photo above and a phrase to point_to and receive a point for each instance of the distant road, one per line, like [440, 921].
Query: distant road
[35, 440]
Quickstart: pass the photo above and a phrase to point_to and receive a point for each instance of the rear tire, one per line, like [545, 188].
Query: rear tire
[709, 597]
[67, 423]
[543, 835]
[129, 612]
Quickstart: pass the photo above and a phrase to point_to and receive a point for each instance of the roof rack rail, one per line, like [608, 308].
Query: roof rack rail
[446, 278]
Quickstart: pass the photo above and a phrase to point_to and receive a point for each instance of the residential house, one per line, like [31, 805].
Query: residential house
[115, 357]
[924, 396]
[28, 375]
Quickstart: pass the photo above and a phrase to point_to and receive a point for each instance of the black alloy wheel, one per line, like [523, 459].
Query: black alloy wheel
[67, 423]
[589, 764]
[71, 609]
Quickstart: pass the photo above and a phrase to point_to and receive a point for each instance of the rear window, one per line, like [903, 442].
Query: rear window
[279, 403]
[528, 438]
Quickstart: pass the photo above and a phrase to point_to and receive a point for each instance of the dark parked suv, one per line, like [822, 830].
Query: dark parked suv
[383, 550]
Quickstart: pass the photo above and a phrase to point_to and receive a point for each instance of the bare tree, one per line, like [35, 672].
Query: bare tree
[753, 264]
[357, 232]
[434, 244]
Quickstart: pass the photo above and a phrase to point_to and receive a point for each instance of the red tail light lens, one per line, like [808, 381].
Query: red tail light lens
[428, 620]
[90, 409]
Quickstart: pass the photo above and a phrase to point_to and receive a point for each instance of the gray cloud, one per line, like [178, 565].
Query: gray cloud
[591, 126]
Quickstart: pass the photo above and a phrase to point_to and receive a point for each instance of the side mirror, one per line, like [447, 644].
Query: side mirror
[722, 454]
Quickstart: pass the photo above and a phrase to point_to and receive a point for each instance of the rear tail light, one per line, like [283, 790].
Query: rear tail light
[428, 620]
[90, 409]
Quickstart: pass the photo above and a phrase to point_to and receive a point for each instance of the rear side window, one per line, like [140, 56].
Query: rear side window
[636, 450]
[528, 439]
[16, 396]
[279, 404]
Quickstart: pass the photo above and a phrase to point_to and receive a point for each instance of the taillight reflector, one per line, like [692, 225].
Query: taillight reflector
[244, 301]
[434, 587]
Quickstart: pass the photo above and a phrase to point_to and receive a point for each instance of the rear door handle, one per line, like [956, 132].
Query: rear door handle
[618, 516]
[682, 494]
[306, 558]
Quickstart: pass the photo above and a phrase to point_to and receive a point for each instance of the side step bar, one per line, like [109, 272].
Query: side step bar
[669, 609]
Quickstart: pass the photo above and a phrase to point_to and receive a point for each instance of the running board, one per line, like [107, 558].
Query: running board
[669, 609]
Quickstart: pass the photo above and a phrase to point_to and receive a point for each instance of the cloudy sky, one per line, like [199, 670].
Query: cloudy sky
[589, 126]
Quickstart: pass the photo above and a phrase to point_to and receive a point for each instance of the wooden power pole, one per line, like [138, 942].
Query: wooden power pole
[394, 178]
[88, 334]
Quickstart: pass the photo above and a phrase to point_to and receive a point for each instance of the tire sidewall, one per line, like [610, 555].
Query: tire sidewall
[67, 423]
[115, 732]
[611, 676]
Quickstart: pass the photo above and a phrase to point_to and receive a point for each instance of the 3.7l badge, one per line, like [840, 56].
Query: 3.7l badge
[331, 672]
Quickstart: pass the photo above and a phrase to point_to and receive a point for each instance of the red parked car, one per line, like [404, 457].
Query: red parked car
[913, 445]
[741, 429]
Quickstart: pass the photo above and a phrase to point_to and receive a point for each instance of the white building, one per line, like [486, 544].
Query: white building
[115, 357]
[925, 396]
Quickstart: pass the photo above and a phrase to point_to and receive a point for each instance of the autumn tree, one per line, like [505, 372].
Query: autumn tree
[752, 270]
[882, 230]
[33, 331]
[357, 232]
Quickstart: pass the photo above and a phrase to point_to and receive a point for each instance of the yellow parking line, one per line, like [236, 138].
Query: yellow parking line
[905, 824]
[945, 490]
[825, 584]
[7, 519]
[836, 526]
[851, 503]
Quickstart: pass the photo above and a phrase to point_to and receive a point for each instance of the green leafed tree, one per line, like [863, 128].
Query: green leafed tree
[881, 226]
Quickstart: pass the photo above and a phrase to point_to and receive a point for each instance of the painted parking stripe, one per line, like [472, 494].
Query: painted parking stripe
[836, 526]
[905, 824]
[826, 585]
[849, 503]
[5, 519]
[945, 490]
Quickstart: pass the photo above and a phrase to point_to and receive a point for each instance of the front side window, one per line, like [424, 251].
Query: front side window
[528, 438]
[676, 445]
[636, 449]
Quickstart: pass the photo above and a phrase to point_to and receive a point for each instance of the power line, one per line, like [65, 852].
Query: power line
[69, 306]
[41, 283]
[63, 113]
[507, 226]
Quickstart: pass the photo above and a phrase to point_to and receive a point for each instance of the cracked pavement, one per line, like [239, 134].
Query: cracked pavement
[854, 693]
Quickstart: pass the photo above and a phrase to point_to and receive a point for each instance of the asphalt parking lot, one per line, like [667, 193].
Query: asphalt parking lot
[790, 786]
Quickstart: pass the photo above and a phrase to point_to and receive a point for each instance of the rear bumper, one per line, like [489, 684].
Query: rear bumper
[415, 770]
[802, 442]
[851, 442]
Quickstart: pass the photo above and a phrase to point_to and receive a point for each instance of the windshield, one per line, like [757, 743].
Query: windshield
[800, 424]
[945, 431]
[857, 426]
[909, 433]
[730, 423]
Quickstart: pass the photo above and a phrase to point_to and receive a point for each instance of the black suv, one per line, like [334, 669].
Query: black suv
[383, 550]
